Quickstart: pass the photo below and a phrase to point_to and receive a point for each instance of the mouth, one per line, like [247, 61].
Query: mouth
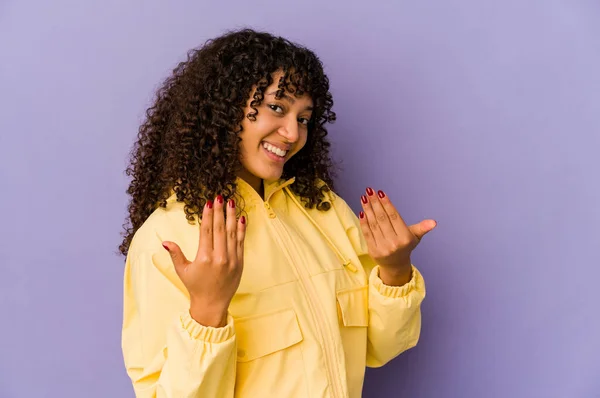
[273, 152]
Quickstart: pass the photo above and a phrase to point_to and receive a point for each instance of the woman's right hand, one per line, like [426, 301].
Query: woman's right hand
[214, 276]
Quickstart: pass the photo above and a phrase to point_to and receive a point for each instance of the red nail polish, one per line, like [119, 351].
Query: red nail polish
[243, 220]
[231, 203]
[364, 199]
[369, 192]
[381, 194]
[361, 214]
[166, 248]
[220, 199]
[209, 204]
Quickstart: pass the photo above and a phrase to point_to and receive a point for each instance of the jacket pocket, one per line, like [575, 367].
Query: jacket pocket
[261, 335]
[353, 307]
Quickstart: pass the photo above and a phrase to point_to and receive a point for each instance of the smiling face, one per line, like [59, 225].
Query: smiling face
[278, 133]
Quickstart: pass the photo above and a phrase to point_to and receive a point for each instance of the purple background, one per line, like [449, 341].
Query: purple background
[484, 115]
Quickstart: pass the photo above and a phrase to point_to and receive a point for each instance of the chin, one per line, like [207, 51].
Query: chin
[266, 171]
[272, 176]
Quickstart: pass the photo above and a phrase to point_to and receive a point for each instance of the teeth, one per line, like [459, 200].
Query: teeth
[274, 150]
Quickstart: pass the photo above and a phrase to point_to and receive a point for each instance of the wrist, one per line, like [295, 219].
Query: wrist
[206, 315]
[397, 275]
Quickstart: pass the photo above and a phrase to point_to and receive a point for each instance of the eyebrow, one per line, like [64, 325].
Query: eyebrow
[290, 99]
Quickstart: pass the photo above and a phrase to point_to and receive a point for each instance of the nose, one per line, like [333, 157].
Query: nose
[289, 130]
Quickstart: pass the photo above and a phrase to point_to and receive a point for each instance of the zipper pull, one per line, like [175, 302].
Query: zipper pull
[270, 211]
[348, 264]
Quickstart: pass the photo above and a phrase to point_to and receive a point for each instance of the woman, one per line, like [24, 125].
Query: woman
[280, 290]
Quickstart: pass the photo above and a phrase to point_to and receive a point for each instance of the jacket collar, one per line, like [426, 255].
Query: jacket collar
[271, 187]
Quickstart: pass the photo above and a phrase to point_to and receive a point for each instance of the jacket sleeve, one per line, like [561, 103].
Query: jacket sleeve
[394, 311]
[167, 354]
[394, 316]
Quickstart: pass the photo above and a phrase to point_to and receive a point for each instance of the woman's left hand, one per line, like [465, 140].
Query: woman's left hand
[390, 241]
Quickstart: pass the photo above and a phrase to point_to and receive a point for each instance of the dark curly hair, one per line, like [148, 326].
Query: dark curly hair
[189, 142]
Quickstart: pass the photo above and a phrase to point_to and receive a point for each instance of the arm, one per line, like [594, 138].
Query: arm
[394, 315]
[167, 353]
[395, 296]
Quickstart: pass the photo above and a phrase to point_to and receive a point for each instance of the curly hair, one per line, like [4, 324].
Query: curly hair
[189, 143]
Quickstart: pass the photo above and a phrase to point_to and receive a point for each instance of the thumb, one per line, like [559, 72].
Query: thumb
[176, 254]
[420, 229]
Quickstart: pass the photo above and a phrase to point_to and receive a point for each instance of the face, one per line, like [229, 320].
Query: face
[277, 134]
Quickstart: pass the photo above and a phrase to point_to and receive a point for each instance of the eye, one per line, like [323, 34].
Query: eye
[276, 108]
[304, 121]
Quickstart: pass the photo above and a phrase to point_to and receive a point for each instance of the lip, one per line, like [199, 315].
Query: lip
[280, 146]
[272, 156]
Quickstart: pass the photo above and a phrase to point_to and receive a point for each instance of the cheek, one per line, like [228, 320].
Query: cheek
[303, 137]
[301, 143]
[255, 130]
[249, 134]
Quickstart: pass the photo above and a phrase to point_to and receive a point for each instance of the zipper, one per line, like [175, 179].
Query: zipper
[317, 313]
[345, 261]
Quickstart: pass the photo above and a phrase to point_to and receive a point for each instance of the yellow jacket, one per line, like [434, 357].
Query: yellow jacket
[310, 313]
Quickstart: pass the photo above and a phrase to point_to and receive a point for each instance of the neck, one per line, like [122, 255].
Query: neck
[255, 182]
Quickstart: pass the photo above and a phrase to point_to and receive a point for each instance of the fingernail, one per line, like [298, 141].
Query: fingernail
[166, 247]
[209, 204]
[220, 199]
[369, 192]
[364, 199]
[361, 214]
[243, 219]
[231, 203]
[381, 194]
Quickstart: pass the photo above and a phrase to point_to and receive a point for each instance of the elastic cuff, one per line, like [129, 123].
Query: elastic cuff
[207, 333]
[415, 283]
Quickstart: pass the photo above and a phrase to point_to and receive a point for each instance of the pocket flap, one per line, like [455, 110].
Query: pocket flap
[353, 305]
[262, 335]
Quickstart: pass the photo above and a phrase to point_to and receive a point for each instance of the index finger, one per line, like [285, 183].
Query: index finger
[395, 217]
